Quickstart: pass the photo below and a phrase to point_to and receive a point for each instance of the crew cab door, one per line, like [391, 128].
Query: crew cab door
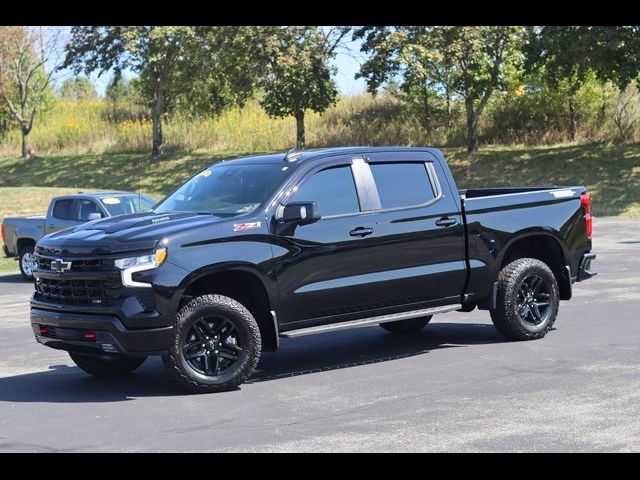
[361, 258]
[419, 230]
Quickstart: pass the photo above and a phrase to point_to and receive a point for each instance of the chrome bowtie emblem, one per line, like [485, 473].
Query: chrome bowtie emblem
[60, 265]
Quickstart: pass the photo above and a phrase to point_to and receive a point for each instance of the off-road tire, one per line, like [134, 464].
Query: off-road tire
[248, 334]
[506, 317]
[410, 325]
[106, 365]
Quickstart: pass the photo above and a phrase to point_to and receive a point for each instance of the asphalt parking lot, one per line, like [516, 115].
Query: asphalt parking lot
[456, 386]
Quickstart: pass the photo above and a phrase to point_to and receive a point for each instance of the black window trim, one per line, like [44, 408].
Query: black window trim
[364, 183]
[298, 182]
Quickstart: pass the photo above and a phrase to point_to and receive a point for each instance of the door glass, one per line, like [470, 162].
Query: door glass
[87, 207]
[402, 184]
[65, 209]
[332, 189]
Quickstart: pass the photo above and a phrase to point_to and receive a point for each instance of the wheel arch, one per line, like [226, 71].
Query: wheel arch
[24, 242]
[244, 283]
[545, 245]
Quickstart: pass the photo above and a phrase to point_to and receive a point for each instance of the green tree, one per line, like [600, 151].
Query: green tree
[25, 83]
[297, 74]
[118, 89]
[467, 62]
[565, 56]
[177, 66]
[155, 53]
[77, 88]
[561, 56]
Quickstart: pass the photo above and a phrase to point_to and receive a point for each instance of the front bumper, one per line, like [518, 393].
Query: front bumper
[67, 331]
[584, 270]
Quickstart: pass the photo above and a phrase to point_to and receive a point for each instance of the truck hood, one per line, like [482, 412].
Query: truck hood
[125, 233]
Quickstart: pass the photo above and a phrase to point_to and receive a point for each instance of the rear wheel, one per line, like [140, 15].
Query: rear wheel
[411, 325]
[216, 344]
[528, 300]
[25, 259]
[106, 365]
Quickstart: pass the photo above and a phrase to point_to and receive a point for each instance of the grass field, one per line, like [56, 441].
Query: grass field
[611, 173]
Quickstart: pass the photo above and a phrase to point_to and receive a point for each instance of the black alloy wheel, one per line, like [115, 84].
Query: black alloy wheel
[534, 305]
[212, 346]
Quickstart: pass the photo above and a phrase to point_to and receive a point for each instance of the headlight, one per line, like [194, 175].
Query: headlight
[156, 259]
[131, 265]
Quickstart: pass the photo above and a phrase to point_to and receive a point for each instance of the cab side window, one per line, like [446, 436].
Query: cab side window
[86, 208]
[402, 184]
[65, 209]
[333, 189]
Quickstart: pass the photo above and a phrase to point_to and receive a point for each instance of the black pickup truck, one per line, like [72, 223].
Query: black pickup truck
[255, 249]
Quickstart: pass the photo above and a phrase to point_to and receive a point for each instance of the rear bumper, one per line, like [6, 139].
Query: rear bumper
[66, 331]
[584, 270]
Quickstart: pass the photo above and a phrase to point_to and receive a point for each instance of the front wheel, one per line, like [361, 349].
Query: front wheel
[216, 344]
[106, 365]
[25, 259]
[410, 325]
[528, 300]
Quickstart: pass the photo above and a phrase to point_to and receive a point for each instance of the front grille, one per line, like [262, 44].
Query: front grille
[81, 265]
[93, 281]
[83, 292]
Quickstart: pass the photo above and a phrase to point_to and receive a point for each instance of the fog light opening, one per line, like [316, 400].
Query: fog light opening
[90, 336]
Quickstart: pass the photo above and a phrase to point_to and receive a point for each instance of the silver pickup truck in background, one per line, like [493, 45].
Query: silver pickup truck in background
[20, 234]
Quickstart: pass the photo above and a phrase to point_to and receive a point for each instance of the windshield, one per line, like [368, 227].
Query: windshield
[124, 204]
[226, 190]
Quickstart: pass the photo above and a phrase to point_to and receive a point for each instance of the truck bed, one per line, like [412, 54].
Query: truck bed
[487, 192]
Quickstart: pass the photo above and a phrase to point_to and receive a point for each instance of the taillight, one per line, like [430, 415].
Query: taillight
[2, 231]
[585, 201]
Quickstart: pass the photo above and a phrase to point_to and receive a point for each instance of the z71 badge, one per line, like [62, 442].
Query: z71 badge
[241, 227]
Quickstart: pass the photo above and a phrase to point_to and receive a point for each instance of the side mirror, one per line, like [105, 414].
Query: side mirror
[298, 212]
[94, 216]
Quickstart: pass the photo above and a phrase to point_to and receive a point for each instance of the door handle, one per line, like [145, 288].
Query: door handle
[446, 222]
[361, 232]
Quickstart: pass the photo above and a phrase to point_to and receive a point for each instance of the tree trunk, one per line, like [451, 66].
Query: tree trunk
[156, 114]
[472, 129]
[427, 122]
[572, 120]
[26, 154]
[300, 130]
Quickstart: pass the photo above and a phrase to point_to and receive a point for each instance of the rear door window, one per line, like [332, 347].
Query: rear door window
[402, 184]
[66, 209]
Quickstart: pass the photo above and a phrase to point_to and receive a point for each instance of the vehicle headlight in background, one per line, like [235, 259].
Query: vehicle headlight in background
[131, 265]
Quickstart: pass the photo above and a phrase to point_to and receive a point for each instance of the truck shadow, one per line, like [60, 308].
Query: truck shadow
[301, 356]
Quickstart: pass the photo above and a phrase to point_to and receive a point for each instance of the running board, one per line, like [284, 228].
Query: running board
[367, 322]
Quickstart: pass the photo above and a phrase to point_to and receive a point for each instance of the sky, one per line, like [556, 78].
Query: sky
[347, 64]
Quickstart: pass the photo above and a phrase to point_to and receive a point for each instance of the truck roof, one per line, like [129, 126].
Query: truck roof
[98, 194]
[315, 153]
